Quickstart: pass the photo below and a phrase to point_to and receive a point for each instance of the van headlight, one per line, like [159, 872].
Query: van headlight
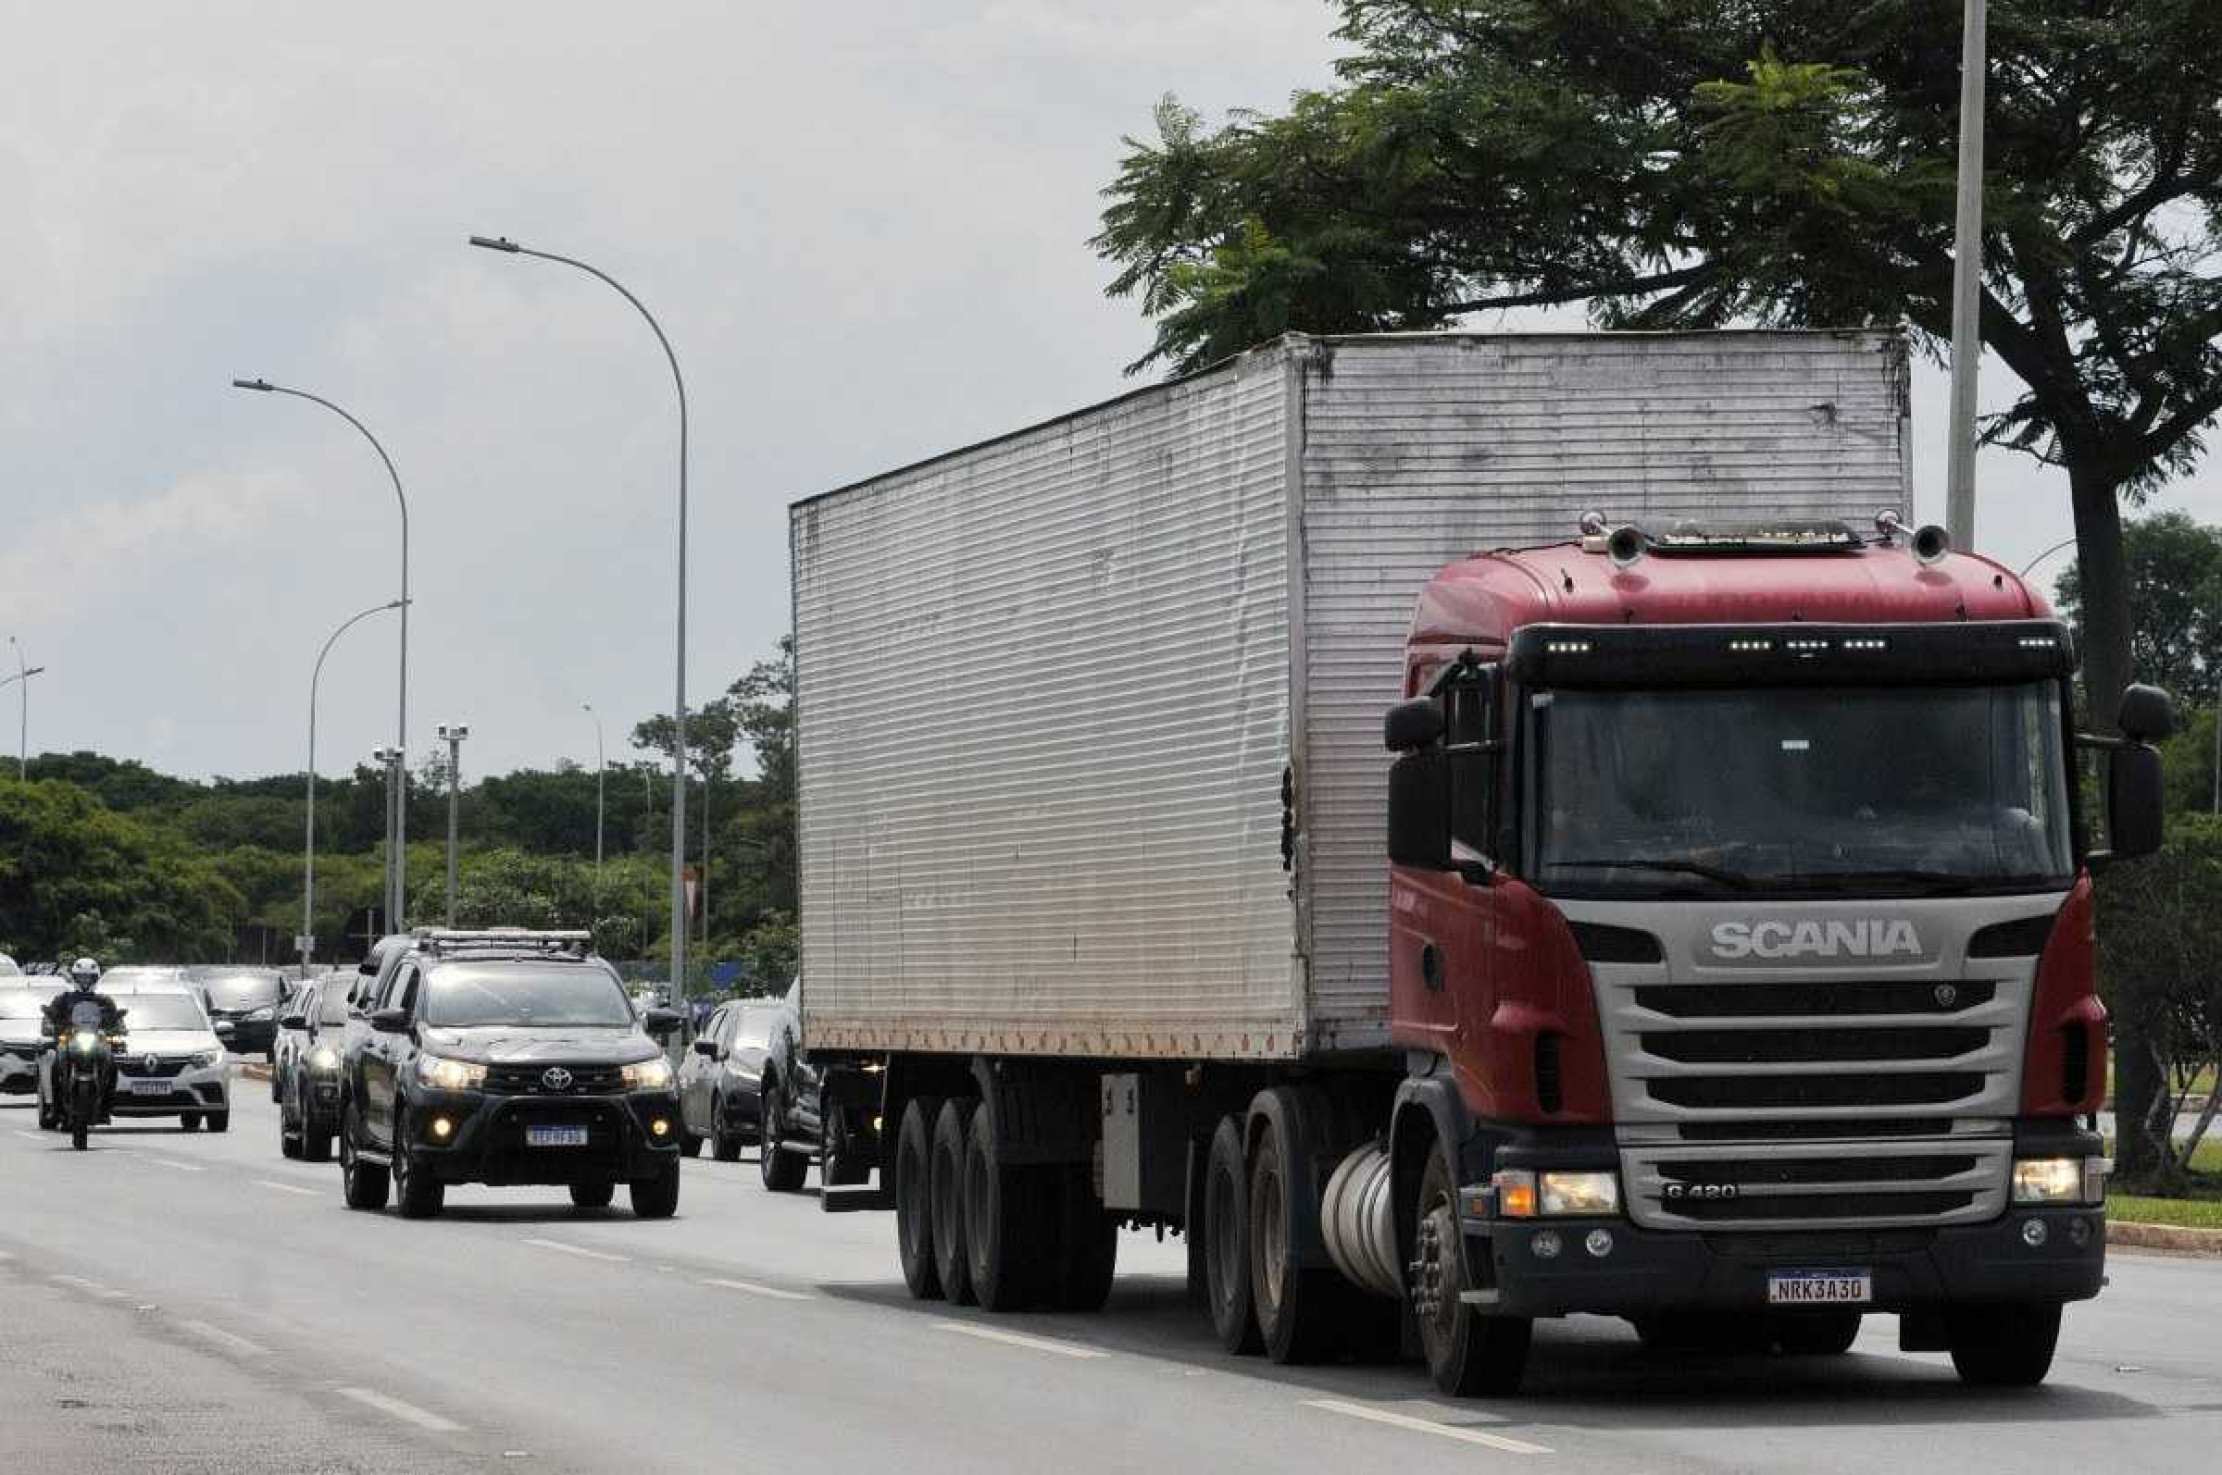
[648, 1075]
[444, 1074]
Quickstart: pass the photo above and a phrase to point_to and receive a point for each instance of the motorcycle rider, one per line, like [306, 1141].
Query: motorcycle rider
[84, 974]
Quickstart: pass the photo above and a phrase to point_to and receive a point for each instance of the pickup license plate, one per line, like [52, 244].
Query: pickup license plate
[555, 1136]
[146, 1088]
[1820, 1287]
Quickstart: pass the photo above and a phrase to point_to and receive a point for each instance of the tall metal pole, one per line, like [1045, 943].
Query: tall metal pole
[23, 677]
[453, 734]
[679, 682]
[308, 840]
[600, 766]
[1967, 283]
[397, 805]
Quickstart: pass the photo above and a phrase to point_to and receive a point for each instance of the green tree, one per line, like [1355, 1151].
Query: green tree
[1696, 163]
[73, 875]
[2174, 567]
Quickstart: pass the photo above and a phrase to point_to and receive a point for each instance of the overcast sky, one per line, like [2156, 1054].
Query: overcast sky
[863, 226]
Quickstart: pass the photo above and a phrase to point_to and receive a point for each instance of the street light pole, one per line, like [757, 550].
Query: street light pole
[600, 765]
[397, 806]
[308, 841]
[453, 734]
[1967, 284]
[22, 678]
[679, 683]
[388, 759]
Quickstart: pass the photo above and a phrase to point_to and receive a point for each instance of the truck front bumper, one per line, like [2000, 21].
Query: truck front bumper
[1646, 1271]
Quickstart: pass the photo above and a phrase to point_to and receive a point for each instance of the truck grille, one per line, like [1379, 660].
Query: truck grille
[1673, 1186]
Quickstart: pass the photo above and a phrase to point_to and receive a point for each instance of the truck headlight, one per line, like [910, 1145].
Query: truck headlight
[1589, 1194]
[449, 1075]
[648, 1075]
[2060, 1180]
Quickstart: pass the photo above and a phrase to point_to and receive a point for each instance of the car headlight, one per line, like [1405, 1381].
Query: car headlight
[648, 1075]
[207, 1058]
[1523, 1193]
[449, 1075]
[2060, 1180]
[324, 1057]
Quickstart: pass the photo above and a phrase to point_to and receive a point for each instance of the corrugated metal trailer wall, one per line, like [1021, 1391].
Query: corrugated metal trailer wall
[1045, 689]
[1418, 449]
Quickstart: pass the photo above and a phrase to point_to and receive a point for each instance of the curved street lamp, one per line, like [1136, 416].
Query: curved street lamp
[22, 677]
[308, 843]
[679, 685]
[397, 809]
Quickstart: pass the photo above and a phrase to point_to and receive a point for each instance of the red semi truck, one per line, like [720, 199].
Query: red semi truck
[1727, 966]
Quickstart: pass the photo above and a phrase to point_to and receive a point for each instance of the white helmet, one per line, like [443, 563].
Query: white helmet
[8, 968]
[84, 973]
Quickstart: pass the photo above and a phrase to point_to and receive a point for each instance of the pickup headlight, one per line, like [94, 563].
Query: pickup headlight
[324, 1057]
[2061, 1180]
[1523, 1194]
[648, 1075]
[449, 1075]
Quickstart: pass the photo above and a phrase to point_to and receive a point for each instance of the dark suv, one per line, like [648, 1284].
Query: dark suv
[507, 1057]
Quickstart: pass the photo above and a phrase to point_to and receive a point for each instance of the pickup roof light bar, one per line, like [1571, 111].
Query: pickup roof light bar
[526, 939]
[1970, 653]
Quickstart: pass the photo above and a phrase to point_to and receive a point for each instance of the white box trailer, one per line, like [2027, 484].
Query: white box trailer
[1088, 717]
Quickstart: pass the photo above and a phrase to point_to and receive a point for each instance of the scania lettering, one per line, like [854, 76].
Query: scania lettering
[1728, 964]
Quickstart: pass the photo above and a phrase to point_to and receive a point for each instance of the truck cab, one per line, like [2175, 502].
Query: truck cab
[1741, 942]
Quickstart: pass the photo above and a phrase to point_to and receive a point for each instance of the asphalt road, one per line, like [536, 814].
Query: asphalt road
[187, 1303]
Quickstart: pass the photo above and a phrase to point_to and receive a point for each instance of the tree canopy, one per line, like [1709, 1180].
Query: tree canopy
[2174, 565]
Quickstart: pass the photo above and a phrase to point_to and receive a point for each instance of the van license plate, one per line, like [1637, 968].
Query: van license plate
[555, 1136]
[1820, 1287]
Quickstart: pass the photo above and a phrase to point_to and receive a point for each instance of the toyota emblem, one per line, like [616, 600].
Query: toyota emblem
[152, 1064]
[556, 1078]
[1946, 995]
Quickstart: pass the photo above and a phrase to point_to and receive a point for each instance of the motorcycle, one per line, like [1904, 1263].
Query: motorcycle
[83, 1062]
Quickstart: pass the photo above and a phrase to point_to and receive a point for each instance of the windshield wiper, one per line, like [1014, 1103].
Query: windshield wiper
[1725, 877]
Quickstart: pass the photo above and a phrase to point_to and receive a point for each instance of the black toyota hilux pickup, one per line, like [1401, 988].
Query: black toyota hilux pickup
[507, 1057]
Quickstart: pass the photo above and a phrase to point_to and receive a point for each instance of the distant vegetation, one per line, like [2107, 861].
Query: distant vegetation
[106, 856]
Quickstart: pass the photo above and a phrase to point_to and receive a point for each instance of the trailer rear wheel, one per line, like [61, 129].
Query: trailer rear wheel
[1087, 1243]
[1300, 1308]
[1818, 1333]
[914, 1222]
[1468, 1353]
[1001, 1225]
[945, 1199]
[2003, 1346]
[1226, 1231]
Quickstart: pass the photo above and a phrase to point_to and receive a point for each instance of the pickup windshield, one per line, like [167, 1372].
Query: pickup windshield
[471, 996]
[1801, 791]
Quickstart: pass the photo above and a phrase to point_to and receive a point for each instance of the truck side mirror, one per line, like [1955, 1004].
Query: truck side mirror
[2133, 796]
[1420, 809]
[1413, 725]
[2147, 714]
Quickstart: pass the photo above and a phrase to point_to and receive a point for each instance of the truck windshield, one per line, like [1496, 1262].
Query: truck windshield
[1807, 791]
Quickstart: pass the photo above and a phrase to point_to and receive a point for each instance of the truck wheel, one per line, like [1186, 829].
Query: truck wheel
[595, 1195]
[1087, 1241]
[1818, 1334]
[1467, 1353]
[2003, 1346]
[781, 1169]
[657, 1197]
[1299, 1307]
[1001, 1234]
[1226, 1230]
[945, 1199]
[914, 1211]
[417, 1194]
[364, 1185]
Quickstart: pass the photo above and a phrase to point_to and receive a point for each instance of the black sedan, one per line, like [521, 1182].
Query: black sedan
[249, 1000]
[721, 1079]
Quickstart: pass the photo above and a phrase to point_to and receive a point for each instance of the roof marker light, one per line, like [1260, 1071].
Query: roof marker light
[1866, 642]
[1567, 647]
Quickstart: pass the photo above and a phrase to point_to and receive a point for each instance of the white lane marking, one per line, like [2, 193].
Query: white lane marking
[551, 1244]
[222, 1338]
[1427, 1426]
[756, 1290]
[406, 1412]
[274, 1184]
[1019, 1339]
[164, 1162]
[89, 1287]
[34, 1136]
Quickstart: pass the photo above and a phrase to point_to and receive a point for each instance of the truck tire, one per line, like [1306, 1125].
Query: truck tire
[1226, 1231]
[2003, 1346]
[1300, 1309]
[1002, 1238]
[914, 1210]
[1087, 1243]
[363, 1185]
[781, 1168]
[945, 1199]
[1818, 1334]
[1467, 1352]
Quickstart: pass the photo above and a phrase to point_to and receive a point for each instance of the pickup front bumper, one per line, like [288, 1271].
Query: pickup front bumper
[491, 1139]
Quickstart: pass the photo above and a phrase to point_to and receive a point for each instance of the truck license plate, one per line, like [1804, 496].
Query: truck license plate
[146, 1088]
[555, 1136]
[1820, 1287]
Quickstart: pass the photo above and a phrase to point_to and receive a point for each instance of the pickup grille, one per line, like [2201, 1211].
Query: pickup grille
[531, 1080]
[1674, 1186]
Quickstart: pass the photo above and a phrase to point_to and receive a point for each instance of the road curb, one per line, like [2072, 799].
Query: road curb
[2164, 1237]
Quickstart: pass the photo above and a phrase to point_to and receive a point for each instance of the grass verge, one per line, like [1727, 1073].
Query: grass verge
[2186, 1213]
